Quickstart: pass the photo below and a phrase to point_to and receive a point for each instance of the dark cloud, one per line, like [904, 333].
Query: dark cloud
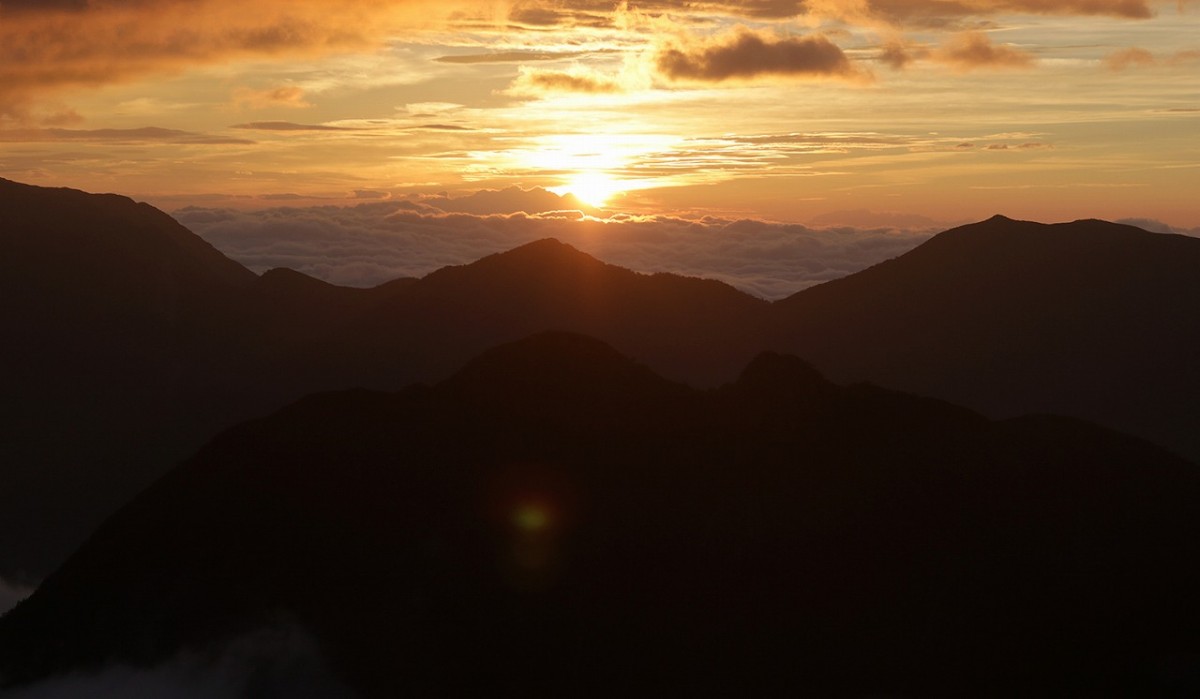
[747, 55]
[372, 243]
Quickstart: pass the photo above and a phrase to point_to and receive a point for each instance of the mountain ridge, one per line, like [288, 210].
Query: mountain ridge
[779, 533]
[122, 379]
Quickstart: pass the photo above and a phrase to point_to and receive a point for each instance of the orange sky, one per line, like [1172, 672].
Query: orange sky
[775, 109]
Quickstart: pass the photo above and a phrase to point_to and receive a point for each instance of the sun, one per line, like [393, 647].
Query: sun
[592, 188]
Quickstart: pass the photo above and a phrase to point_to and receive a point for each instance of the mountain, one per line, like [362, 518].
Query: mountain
[113, 317]
[1091, 319]
[555, 517]
[136, 341]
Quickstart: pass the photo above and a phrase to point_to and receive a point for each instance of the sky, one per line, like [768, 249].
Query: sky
[782, 111]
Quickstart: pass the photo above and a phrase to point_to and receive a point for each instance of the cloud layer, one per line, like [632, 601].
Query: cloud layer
[372, 243]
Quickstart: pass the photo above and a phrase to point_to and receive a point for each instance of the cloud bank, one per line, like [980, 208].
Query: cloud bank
[375, 242]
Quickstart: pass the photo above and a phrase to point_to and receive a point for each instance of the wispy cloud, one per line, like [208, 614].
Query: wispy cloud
[972, 50]
[287, 126]
[540, 82]
[145, 134]
[290, 96]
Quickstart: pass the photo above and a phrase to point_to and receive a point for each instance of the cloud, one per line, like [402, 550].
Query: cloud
[541, 82]
[287, 126]
[507, 201]
[1137, 57]
[48, 46]
[45, 47]
[372, 243]
[897, 55]
[971, 50]
[11, 593]
[290, 96]
[1134, 56]
[510, 57]
[1029, 145]
[145, 134]
[944, 13]
[747, 55]
[280, 660]
[1156, 226]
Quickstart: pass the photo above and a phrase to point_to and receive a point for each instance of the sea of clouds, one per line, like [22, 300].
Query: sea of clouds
[375, 242]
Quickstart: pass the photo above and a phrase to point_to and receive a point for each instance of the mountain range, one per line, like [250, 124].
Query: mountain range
[133, 341]
[557, 518]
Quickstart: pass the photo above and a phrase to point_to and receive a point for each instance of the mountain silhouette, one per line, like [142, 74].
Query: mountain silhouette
[1091, 319]
[557, 517]
[135, 341]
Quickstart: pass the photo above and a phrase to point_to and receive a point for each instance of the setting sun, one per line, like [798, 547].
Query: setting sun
[592, 188]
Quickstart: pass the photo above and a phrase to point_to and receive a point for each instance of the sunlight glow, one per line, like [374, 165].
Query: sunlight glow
[591, 188]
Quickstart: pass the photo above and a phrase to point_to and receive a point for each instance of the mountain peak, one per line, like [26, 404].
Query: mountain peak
[782, 375]
[555, 363]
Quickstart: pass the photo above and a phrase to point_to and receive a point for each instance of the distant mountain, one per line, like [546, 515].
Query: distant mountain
[1090, 319]
[556, 518]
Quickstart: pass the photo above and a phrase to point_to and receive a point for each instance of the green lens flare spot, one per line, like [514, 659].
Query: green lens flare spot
[531, 518]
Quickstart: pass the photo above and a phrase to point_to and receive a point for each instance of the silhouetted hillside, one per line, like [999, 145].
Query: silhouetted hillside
[135, 341]
[114, 319]
[132, 341]
[695, 330]
[556, 518]
[1091, 319]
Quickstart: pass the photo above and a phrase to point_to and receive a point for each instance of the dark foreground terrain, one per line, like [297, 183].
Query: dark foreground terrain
[556, 519]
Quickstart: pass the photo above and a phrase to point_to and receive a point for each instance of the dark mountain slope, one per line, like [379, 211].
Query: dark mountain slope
[556, 518]
[112, 315]
[132, 342]
[1091, 319]
[689, 329]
